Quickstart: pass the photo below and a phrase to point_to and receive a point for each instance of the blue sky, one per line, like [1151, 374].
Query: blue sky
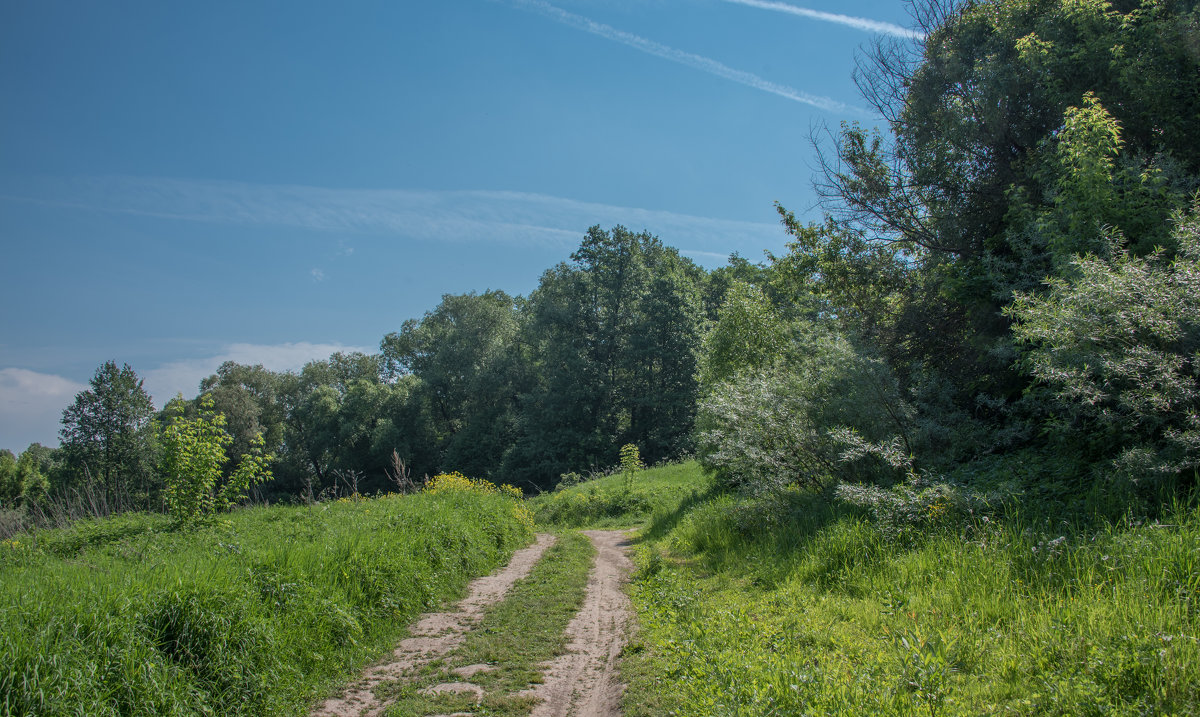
[268, 182]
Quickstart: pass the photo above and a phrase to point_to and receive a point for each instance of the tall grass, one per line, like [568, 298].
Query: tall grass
[610, 501]
[801, 606]
[261, 613]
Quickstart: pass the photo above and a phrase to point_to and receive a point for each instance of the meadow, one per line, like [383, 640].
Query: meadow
[797, 604]
[803, 605]
[263, 611]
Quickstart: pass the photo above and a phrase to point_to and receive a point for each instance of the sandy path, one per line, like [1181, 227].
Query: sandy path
[584, 682]
[434, 635]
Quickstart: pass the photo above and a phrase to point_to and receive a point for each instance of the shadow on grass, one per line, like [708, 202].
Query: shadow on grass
[771, 538]
[662, 523]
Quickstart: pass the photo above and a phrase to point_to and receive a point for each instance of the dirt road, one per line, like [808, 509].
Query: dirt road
[434, 635]
[584, 681]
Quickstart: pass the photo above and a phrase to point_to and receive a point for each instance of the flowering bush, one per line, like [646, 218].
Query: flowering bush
[455, 482]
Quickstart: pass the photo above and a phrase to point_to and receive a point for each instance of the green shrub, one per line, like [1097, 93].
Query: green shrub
[764, 430]
[1118, 341]
[920, 505]
[193, 460]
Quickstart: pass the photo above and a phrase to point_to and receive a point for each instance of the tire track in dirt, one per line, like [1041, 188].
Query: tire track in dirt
[583, 682]
[433, 636]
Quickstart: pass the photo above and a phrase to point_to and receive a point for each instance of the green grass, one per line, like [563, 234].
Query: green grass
[262, 613]
[605, 502]
[515, 637]
[801, 607]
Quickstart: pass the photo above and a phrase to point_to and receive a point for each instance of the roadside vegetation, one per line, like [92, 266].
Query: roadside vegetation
[260, 612]
[807, 606]
[812, 603]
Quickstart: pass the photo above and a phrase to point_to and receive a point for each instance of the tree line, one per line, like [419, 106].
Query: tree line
[514, 389]
[1004, 290]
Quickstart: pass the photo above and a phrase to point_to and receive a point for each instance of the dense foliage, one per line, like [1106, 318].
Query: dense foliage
[519, 390]
[1009, 273]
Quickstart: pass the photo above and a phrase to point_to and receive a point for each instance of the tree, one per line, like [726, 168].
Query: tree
[974, 104]
[466, 358]
[10, 483]
[1017, 129]
[614, 338]
[343, 416]
[108, 435]
[720, 280]
[749, 334]
[249, 398]
[663, 357]
[193, 456]
[33, 471]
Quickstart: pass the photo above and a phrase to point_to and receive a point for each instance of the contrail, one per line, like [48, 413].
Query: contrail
[689, 59]
[858, 23]
[520, 218]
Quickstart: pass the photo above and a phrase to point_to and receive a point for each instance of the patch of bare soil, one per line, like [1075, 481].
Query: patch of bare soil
[583, 682]
[434, 635]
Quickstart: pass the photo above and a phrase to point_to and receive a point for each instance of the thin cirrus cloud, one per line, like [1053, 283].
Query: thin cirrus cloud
[858, 23]
[698, 62]
[441, 216]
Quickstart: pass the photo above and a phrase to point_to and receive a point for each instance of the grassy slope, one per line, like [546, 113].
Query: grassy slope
[801, 607]
[259, 614]
[604, 503]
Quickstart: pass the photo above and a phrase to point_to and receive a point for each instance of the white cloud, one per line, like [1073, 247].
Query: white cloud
[318, 275]
[442, 216]
[184, 376]
[858, 23]
[699, 62]
[31, 406]
[31, 403]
